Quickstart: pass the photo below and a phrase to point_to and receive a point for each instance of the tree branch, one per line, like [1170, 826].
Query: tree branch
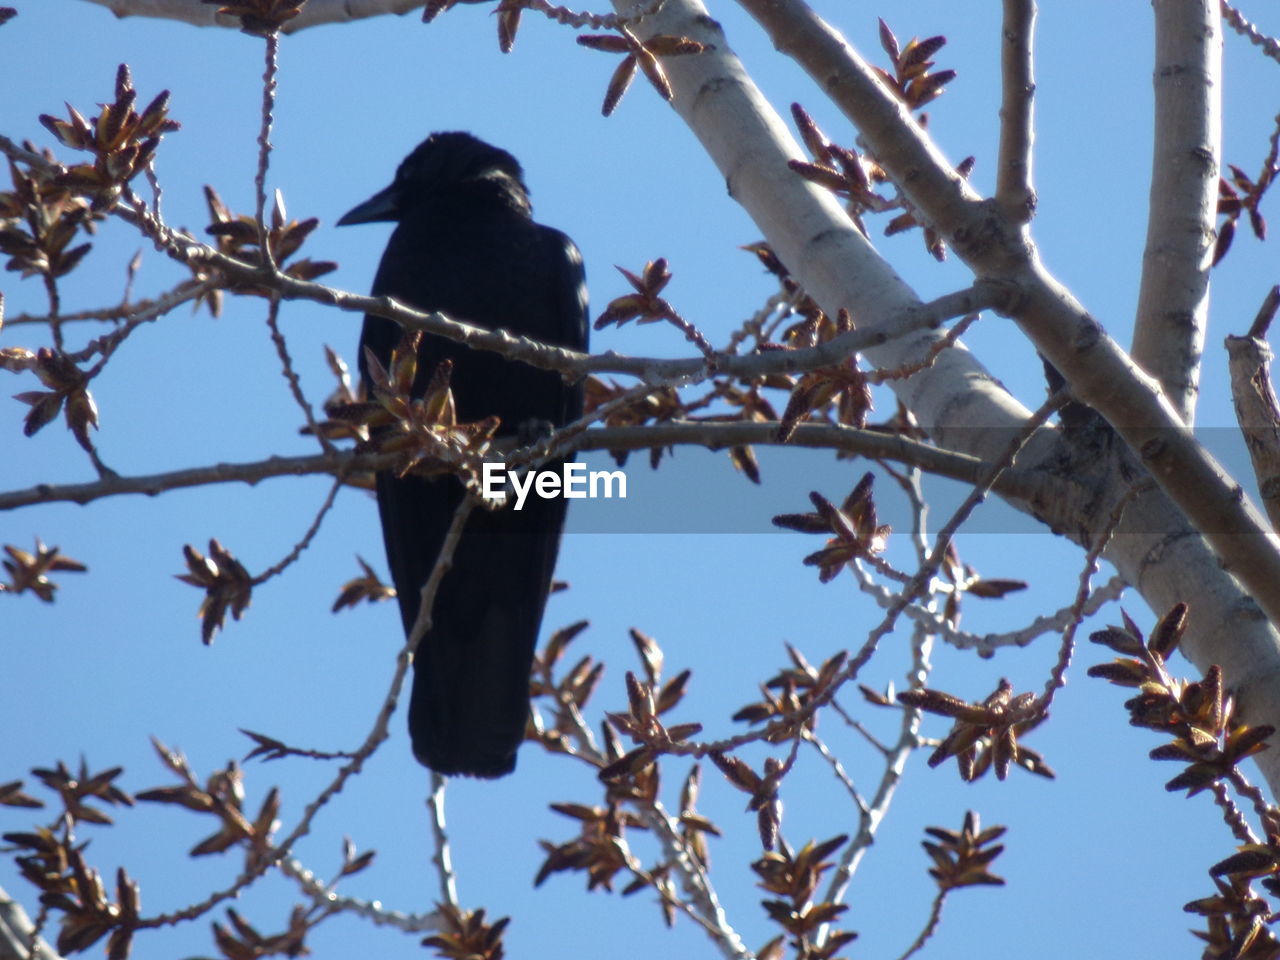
[906, 315]
[871, 815]
[1015, 193]
[1100, 373]
[131, 312]
[1173, 300]
[1269, 45]
[373, 911]
[811, 233]
[16, 932]
[442, 860]
[152, 484]
[1257, 410]
[1028, 486]
[206, 15]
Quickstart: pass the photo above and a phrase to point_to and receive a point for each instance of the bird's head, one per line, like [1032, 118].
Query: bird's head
[444, 165]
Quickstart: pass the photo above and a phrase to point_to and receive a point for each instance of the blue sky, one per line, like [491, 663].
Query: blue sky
[1102, 857]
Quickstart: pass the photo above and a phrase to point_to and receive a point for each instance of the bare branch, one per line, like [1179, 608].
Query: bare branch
[1100, 373]
[1030, 487]
[930, 925]
[1173, 301]
[443, 858]
[155, 483]
[1257, 410]
[919, 582]
[271, 54]
[291, 375]
[871, 815]
[206, 15]
[987, 643]
[1058, 675]
[916, 587]
[910, 316]
[17, 931]
[376, 913]
[129, 312]
[697, 884]
[1269, 45]
[379, 733]
[278, 568]
[1015, 190]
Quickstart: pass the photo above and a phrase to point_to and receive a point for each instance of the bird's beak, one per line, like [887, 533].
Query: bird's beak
[384, 205]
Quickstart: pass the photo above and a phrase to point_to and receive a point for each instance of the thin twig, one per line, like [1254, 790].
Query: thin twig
[872, 815]
[986, 643]
[705, 908]
[838, 770]
[379, 732]
[183, 292]
[1269, 45]
[444, 562]
[156, 483]
[692, 334]
[1231, 814]
[55, 305]
[950, 339]
[693, 875]
[324, 896]
[1251, 793]
[271, 51]
[930, 926]
[157, 193]
[596, 21]
[108, 344]
[753, 327]
[291, 375]
[442, 860]
[307, 537]
[1058, 675]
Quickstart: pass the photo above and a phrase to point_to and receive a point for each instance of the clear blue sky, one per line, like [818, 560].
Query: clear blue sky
[1102, 857]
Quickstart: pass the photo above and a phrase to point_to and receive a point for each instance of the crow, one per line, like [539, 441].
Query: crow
[466, 245]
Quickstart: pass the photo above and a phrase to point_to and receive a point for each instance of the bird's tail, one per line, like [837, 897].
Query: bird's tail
[470, 701]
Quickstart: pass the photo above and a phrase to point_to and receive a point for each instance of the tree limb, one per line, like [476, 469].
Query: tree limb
[1019, 484]
[1099, 371]
[206, 15]
[1257, 410]
[1173, 300]
[16, 931]
[1015, 192]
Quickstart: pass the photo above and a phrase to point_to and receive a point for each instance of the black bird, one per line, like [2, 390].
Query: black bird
[466, 245]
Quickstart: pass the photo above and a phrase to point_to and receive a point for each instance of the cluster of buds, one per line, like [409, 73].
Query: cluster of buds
[855, 533]
[122, 141]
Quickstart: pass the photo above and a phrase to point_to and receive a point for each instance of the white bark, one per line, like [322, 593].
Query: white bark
[1015, 190]
[1258, 413]
[1173, 300]
[956, 400]
[16, 930]
[314, 13]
